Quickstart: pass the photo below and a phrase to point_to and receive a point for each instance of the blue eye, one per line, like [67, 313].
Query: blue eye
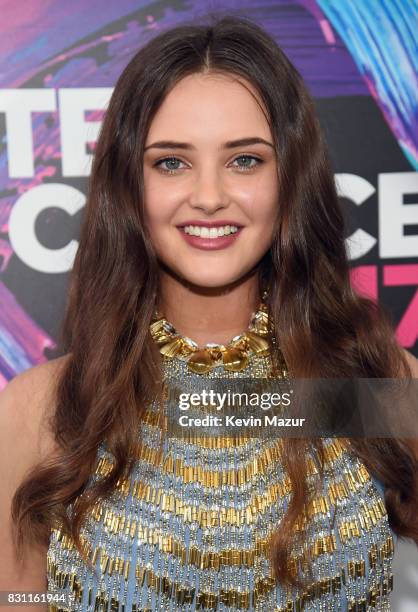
[170, 160]
[173, 162]
[249, 157]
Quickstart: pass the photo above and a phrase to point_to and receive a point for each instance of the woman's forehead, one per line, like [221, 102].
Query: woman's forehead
[212, 104]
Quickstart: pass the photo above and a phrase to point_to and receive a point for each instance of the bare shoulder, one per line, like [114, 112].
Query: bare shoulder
[413, 362]
[26, 405]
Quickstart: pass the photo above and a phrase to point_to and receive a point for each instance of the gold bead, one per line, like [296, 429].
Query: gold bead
[200, 362]
[171, 348]
[257, 344]
[234, 359]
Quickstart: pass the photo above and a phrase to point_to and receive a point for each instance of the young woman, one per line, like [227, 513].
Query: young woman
[212, 247]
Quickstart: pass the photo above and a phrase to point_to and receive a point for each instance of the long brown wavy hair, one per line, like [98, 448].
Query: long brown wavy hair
[113, 370]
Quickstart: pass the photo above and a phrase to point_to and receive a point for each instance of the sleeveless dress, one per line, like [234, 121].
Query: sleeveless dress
[188, 530]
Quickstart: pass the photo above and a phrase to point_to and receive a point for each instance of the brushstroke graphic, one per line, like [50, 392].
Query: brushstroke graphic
[381, 38]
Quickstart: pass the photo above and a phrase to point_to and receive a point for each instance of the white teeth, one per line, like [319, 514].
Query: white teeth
[212, 232]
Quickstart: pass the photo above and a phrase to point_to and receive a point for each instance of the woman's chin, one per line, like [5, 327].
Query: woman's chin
[219, 281]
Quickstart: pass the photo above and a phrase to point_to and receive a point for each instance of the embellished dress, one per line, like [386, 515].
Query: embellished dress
[189, 529]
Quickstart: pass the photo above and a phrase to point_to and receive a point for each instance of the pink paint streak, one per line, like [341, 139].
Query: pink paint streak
[402, 275]
[364, 281]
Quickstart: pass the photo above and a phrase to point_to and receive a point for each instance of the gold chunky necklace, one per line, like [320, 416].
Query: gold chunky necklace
[233, 356]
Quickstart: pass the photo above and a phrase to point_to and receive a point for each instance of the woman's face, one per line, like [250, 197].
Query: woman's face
[197, 174]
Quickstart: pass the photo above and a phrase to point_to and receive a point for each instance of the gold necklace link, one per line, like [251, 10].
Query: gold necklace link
[234, 356]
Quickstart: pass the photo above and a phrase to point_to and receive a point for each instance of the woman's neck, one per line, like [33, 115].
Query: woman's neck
[208, 315]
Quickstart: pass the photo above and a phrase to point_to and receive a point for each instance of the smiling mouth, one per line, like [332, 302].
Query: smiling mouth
[211, 233]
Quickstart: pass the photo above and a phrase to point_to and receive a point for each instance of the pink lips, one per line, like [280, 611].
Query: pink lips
[210, 244]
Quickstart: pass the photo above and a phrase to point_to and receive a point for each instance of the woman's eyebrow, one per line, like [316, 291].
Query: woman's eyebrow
[230, 144]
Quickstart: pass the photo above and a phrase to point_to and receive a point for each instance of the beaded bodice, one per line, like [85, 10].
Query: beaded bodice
[189, 529]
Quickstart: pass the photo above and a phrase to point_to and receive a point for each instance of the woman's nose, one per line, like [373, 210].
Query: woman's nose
[208, 192]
